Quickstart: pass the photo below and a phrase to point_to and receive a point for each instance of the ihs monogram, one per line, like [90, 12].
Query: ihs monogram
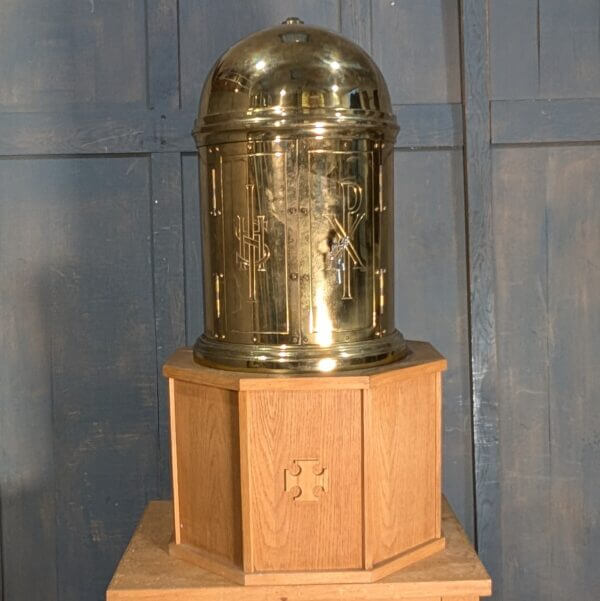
[252, 252]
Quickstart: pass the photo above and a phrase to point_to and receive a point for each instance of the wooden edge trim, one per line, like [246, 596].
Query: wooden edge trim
[389, 566]
[439, 589]
[408, 373]
[207, 561]
[204, 377]
[438, 454]
[383, 569]
[367, 437]
[315, 577]
[176, 519]
[244, 417]
[442, 589]
[344, 381]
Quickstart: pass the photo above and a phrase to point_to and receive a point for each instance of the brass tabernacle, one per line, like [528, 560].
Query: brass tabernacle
[295, 135]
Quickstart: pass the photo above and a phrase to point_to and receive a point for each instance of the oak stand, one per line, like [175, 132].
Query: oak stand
[304, 479]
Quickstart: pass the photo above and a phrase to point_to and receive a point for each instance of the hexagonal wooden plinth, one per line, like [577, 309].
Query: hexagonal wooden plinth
[307, 479]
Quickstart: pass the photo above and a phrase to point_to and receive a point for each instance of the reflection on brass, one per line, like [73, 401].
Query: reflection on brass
[342, 251]
[214, 210]
[252, 253]
[295, 135]
[217, 277]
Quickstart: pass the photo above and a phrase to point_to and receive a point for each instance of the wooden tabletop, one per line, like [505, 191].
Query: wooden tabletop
[147, 572]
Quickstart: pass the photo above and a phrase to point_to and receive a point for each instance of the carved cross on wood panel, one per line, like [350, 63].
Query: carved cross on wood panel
[305, 480]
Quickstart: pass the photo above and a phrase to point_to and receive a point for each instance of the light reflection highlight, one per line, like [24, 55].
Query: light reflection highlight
[323, 325]
[326, 364]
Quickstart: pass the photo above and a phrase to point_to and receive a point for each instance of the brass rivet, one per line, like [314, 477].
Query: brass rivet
[293, 276]
[305, 277]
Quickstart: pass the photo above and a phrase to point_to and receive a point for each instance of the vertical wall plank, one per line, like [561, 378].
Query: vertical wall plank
[192, 235]
[416, 45]
[573, 181]
[514, 47]
[27, 501]
[57, 54]
[225, 22]
[162, 22]
[356, 22]
[569, 49]
[477, 153]
[103, 359]
[431, 297]
[521, 250]
[546, 223]
[169, 287]
[79, 397]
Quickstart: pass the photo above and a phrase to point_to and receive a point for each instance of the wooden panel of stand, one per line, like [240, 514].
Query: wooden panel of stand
[402, 476]
[210, 467]
[147, 572]
[307, 479]
[305, 425]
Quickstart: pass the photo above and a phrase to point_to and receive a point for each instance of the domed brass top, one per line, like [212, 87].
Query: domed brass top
[293, 79]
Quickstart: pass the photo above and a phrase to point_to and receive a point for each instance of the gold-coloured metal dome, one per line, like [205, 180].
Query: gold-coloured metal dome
[295, 133]
[284, 79]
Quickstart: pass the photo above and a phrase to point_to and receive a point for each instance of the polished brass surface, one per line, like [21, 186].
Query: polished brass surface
[295, 135]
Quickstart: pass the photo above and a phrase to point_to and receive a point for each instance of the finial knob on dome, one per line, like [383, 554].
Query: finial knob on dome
[293, 21]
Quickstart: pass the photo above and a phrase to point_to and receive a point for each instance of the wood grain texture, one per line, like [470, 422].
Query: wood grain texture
[101, 79]
[93, 315]
[27, 472]
[245, 474]
[169, 285]
[146, 572]
[340, 577]
[337, 477]
[51, 58]
[549, 285]
[356, 22]
[514, 49]
[416, 45]
[569, 51]
[484, 370]
[429, 125]
[174, 463]
[287, 426]
[432, 295]
[401, 469]
[225, 23]
[162, 54]
[192, 245]
[545, 121]
[105, 130]
[343, 577]
[208, 469]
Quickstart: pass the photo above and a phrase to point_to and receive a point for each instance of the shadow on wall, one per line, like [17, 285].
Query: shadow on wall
[78, 431]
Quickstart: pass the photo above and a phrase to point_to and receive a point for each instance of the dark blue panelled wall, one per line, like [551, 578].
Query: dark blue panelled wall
[498, 245]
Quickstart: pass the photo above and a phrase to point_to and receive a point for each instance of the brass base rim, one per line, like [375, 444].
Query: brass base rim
[300, 359]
